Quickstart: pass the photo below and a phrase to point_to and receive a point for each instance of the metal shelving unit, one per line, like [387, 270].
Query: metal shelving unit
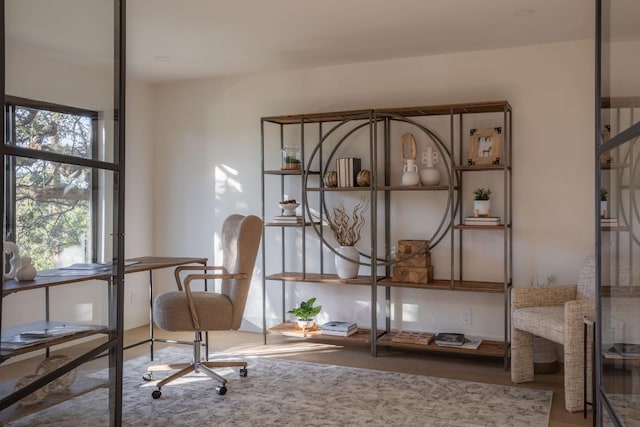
[378, 123]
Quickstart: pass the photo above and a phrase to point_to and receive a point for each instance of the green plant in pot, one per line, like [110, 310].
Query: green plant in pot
[481, 203]
[305, 313]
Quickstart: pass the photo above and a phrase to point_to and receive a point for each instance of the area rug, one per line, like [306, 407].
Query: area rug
[280, 392]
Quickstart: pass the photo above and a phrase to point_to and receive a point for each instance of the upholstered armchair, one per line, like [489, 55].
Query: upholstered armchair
[197, 311]
[555, 313]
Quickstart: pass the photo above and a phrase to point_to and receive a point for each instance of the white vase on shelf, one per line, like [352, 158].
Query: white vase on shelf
[11, 249]
[346, 269]
[430, 175]
[410, 173]
[26, 271]
[481, 208]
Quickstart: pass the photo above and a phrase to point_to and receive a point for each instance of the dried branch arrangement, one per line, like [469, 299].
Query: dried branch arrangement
[346, 228]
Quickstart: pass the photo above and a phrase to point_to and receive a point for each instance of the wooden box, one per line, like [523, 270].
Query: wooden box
[405, 247]
[420, 260]
[412, 274]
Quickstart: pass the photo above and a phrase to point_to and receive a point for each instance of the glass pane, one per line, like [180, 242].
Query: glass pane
[62, 53]
[69, 133]
[620, 212]
[620, 44]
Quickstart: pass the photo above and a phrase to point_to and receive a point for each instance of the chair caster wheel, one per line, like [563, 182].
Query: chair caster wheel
[156, 394]
[148, 376]
[221, 390]
[243, 372]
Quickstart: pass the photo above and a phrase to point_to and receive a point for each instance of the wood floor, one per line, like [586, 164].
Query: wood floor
[388, 359]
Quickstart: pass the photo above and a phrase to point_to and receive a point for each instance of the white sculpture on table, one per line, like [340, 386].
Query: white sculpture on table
[11, 249]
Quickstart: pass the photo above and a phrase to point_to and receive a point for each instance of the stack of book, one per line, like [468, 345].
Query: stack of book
[341, 329]
[479, 220]
[283, 219]
[347, 169]
[449, 339]
[608, 222]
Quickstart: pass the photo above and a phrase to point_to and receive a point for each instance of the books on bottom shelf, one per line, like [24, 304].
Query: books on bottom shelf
[282, 219]
[449, 339]
[609, 222]
[424, 338]
[488, 220]
[340, 329]
[626, 350]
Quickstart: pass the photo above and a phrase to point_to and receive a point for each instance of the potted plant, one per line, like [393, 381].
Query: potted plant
[305, 313]
[346, 230]
[604, 205]
[481, 204]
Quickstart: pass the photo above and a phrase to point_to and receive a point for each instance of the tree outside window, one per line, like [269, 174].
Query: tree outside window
[52, 205]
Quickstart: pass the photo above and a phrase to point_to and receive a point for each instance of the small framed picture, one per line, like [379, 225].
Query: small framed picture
[485, 146]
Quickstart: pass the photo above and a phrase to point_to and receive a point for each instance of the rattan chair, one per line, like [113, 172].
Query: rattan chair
[555, 313]
[186, 310]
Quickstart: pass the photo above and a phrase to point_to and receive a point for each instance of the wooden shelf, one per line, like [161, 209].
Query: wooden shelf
[620, 291]
[446, 285]
[9, 349]
[318, 278]
[288, 172]
[469, 168]
[322, 189]
[431, 110]
[386, 188]
[413, 188]
[606, 166]
[487, 348]
[279, 224]
[289, 329]
[481, 227]
[618, 228]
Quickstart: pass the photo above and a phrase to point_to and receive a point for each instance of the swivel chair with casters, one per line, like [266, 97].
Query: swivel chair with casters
[198, 311]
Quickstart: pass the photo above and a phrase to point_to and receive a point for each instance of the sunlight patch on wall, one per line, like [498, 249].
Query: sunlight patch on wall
[226, 180]
[84, 312]
[409, 312]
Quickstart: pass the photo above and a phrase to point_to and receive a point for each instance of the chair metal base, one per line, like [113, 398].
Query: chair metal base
[197, 365]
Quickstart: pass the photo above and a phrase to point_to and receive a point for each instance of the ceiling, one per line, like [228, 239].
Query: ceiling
[185, 39]
[202, 38]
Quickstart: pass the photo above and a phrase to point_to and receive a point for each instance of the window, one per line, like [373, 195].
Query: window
[52, 206]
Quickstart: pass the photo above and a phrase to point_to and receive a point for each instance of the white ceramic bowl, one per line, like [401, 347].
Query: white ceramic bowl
[289, 209]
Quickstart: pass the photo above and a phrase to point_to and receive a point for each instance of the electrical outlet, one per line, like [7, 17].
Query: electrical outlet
[466, 317]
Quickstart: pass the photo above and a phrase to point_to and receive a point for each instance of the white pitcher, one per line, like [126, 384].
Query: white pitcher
[11, 249]
[410, 175]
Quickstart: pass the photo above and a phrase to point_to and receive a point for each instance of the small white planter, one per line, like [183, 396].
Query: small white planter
[604, 209]
[344, 268]
[306, 324]
[481, 208]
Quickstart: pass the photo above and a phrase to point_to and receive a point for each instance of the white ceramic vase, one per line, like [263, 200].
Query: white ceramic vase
[26, 271]
[430, 175]
[410, 173]
[11, 249]
[481, 208]
[344, 268]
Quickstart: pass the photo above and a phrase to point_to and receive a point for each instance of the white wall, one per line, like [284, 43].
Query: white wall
[207, 163]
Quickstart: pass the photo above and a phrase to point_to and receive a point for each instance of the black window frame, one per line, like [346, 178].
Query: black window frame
[11, 102]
